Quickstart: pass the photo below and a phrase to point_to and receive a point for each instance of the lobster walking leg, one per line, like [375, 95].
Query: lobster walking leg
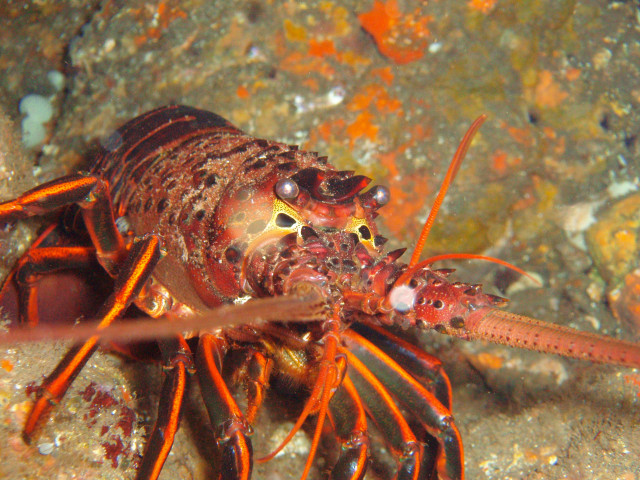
[425, 368]
[134, 273]
[258, 370]
[381, 408]
[178, 361]
[350, 422]
[434, 416]
[48, 197]
[38, 262]
[91, 193]
[331, 371]
[230, 425]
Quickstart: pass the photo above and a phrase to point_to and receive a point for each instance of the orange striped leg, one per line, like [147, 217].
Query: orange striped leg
[421, 403]
[92, 195]
[143, 258]
[258, 370]
[231, 427]
[38, 262]
[350, 422]
[48, 197]
[178, 362]
[381, 408]
[425, 368]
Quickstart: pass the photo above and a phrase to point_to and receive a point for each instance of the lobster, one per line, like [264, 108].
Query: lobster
[189, 216]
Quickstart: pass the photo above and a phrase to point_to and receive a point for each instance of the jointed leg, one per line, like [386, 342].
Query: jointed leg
[425, 368]
[92, 195]
[178, 362]
[38, 262]
[331, 370]
[350, 422]
[47, 197]
[231, 427]
[421, 403]
[380, 407]
[258, 368]
[143, 257]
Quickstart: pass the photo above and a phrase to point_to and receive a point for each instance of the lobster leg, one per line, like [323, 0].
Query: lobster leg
[258, 371]
[178, 361]
[134, 273]
[38, 262]
[48, 197]
[350, 422]
[425, 368]
[332, 368]
[231, 427]
[381, 408]
[434, 416]
[92, 196]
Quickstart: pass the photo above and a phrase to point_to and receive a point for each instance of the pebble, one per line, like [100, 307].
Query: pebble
[46, 448]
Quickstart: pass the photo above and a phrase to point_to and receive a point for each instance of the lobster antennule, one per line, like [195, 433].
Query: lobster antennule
[454, 166]
[472, 256]
[506, 328]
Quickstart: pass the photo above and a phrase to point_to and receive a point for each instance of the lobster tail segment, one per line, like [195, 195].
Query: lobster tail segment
[507, 328]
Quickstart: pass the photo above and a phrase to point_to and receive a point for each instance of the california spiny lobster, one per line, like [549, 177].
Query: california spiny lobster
[187, 214]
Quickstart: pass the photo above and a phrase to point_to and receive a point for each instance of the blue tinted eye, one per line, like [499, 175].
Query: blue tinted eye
[287, 189]
[382, 195]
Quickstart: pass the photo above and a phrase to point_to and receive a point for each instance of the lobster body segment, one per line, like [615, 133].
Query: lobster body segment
[186, 213]
[204, 186]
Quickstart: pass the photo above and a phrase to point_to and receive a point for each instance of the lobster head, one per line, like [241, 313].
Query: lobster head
[321, 230]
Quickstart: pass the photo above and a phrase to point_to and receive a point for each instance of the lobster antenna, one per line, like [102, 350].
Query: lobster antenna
[473, 256]
[305, 306]
[451, 173]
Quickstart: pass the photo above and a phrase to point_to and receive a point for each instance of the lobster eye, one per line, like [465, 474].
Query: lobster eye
[287, 189]
[381, 195]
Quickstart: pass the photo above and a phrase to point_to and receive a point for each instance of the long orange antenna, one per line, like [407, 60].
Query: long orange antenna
[451, 173]
[473, 256]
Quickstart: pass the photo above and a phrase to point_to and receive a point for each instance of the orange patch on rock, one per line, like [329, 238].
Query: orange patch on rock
[499, 162]
[242, 92]
[377, 95]
[399, 36]
[489, 360]
[406, 201]
[572, 74]
[321, 48]
[385, 74]
[634, 380]
[521, 135]
[547, 92]
[162, 18]
[6, 365]
[484, 6]
[301, 64]
[362, 127]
